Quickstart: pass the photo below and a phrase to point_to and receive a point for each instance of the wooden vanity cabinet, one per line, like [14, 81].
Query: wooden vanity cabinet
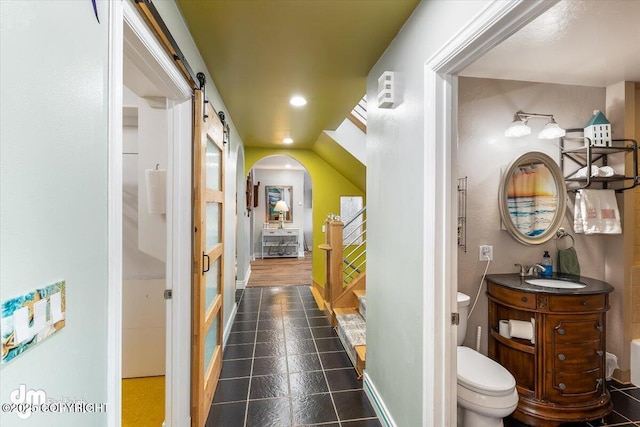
[560, 374]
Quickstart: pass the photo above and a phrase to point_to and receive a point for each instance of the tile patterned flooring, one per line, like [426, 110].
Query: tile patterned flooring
[285, 366]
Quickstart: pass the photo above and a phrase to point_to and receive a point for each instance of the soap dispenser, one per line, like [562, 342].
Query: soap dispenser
[547, 264]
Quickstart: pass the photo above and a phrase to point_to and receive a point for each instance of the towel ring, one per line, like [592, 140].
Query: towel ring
[561, 234]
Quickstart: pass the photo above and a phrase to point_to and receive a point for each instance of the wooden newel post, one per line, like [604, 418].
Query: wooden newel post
[334, 237]
[333, 263]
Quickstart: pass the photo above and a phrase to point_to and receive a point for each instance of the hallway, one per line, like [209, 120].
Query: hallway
[284, 366]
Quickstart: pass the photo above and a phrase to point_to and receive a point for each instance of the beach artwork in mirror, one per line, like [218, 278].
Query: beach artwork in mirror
[275, 193]
[532, 198]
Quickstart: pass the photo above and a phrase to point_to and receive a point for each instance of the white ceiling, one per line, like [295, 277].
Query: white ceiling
[576, 42]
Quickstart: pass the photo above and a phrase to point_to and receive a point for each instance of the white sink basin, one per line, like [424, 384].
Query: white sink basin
[555, 283]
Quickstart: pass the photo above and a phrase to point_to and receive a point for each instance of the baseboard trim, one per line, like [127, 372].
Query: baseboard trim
[317, 287]
[229, 325]
[622, 376]
[318, 294]
[242, 284]
[378, 405]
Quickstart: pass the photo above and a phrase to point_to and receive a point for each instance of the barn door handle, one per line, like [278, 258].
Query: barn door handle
[204, 270]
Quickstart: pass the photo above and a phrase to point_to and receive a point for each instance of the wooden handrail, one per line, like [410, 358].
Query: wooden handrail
[335, 286]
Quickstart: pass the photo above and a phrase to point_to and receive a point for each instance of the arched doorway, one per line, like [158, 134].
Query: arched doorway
[281, 240]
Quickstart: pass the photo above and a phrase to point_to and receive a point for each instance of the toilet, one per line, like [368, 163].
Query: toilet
[486, 390]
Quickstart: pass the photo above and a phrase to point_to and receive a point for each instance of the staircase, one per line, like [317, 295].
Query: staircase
[352, 331]
[345, 287]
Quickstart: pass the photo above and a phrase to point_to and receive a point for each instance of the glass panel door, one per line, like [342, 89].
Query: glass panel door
[208, 179]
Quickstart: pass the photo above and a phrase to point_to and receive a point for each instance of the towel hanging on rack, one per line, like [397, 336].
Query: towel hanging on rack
[596, 212]
[567, 257]
[568, 261]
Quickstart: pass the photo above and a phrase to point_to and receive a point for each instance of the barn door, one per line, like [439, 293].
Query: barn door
[208, 180]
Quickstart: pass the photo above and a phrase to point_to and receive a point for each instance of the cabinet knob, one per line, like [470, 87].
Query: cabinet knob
[524, 299]
[561, 356]
[561, 331]
[600, 353]
[562, 386]
[599, 327]
[585, 302]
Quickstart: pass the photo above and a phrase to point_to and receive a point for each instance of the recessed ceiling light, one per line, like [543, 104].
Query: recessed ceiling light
[287, 165]
[297, 101]
[288, 140]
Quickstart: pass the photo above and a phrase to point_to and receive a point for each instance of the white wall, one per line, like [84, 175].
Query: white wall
[279, 177]
[308, 212]
[244, 266]
[136, 264]
[395, 242]
[153, 139]
[53, 184]
[143, 328]
[143, 285]
[486, 108]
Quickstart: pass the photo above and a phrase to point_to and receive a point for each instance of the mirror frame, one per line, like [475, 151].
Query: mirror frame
[272, 216]
[556, 173]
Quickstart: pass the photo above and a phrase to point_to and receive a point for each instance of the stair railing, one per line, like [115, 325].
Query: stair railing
[358, 116]
[346, 255]
[354, 250]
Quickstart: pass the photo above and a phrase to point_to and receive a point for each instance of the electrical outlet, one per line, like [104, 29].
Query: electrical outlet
[485, 253]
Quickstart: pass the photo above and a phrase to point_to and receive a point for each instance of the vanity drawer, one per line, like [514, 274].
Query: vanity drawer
[563, 330]
[513, 298]
[572, 387]
[279, 231]
[577, 302]
[577, 357]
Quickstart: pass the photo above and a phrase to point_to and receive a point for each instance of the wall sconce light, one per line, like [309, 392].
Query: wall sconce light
[520, 127]
[386, 90]
[281, 206]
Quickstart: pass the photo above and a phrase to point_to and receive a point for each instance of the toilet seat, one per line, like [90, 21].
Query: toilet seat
[478, 373]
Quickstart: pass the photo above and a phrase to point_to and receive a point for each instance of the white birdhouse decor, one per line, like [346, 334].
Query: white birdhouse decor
[598, 130]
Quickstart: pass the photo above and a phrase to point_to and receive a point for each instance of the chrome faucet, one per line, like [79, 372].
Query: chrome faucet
[533, 270]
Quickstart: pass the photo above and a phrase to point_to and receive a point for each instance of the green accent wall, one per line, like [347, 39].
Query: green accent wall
[328, 186]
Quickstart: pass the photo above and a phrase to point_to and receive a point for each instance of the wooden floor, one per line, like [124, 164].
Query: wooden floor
[281, 271]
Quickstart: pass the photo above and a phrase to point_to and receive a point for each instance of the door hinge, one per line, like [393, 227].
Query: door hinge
[455, 318]
[168, 294]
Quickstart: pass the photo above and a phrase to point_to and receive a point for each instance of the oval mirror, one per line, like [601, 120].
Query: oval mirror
[532, 198]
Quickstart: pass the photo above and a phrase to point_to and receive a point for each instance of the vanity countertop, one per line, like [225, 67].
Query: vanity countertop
[515, 281]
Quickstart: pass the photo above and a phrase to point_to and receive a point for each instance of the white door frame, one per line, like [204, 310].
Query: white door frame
[127, 26]
[494, 24]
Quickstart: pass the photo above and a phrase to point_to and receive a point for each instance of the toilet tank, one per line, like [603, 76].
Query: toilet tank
[463, 311]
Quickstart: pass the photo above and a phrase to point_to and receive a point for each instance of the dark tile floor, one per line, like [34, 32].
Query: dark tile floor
[284, 366]
[626, 409]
